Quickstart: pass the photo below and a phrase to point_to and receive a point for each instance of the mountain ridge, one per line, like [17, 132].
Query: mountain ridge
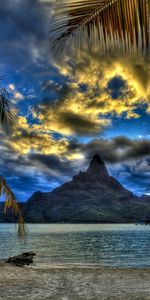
[92, 196]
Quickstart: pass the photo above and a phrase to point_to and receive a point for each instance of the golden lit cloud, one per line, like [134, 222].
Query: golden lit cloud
[30, 139]
[85, 105]
[88, 111]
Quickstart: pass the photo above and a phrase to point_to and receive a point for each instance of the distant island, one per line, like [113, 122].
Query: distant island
[91, 197]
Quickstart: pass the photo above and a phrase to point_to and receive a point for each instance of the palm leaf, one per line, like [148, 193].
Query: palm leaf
[107, 25]
[11, 202]
[7, 119]
[8, 114]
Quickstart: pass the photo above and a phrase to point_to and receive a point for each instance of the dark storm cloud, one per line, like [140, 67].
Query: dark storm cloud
[57, 91]
[115, 150]
[125, 159]
[53, 163]
[79, 124]
[27, 175]
[134, 175]
[62, 91]
[17, 171]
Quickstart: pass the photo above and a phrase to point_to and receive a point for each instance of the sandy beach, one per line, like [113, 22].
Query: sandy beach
[73, 283]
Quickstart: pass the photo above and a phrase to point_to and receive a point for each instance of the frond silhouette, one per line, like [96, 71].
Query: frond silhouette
[11, 202]
[106, 25]
[8, 114]
[8, 118]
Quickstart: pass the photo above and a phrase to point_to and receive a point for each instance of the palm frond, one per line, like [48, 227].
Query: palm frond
[108, 25]
[11, 202]
[8, 114]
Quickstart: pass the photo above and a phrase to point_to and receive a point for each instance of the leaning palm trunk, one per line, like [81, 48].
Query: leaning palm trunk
[104, 25]
[11, 202]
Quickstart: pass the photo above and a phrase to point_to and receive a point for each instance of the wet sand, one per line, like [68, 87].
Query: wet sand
[73, 283]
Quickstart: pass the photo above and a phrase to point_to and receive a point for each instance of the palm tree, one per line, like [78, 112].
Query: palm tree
[7, 111]
[107, 25]
[7, 119]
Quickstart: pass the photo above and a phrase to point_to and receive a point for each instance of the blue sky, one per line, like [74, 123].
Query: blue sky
[69, 111]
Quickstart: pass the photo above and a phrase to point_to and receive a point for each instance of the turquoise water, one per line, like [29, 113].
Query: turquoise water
[96, 245]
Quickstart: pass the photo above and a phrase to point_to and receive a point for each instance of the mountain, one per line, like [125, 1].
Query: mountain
[8, 217]
[91, 197]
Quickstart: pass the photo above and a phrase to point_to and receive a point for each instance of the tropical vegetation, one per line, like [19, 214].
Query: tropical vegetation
[105, 25]
[7, 119]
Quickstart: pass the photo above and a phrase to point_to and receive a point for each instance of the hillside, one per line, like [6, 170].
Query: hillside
[91, 196]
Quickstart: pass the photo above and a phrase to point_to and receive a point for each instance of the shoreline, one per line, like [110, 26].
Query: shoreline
[73, 283]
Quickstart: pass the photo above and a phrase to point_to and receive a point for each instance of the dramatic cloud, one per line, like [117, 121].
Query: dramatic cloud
[96, 90]
[65, 109]
[134, 175]
[28, 138]
[116, 150]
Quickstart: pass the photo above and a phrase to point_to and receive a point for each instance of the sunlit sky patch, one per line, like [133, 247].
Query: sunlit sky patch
[68, 112]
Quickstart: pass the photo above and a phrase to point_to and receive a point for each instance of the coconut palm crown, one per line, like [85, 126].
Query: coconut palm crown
[106, 25]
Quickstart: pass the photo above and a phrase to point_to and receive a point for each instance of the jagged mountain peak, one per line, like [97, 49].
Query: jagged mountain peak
[91, 197]
[97, 166]
[98, 159]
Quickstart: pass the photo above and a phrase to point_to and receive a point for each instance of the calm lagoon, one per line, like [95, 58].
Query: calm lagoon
[99, 245]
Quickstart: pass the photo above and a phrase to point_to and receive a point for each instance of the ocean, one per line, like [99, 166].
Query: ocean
[120, 245]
